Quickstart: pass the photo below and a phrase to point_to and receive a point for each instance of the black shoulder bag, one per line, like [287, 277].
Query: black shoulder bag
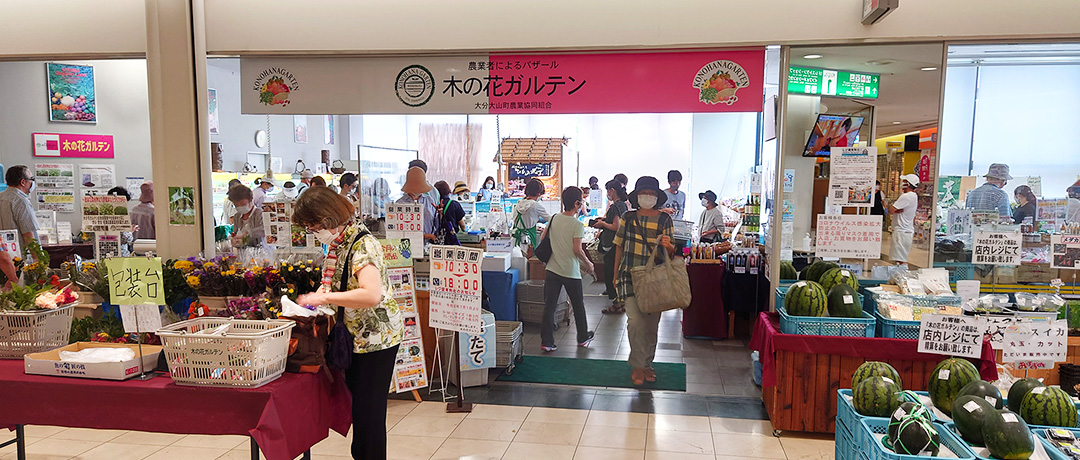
[543, 251]
[341, 342]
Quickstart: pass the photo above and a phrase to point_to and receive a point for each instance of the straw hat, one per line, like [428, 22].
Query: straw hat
[416, 182]
[460, 187]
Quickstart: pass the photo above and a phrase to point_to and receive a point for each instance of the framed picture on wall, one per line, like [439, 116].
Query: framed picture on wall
[328, 130]
[299, 123]
[71, 92]
[213, 110]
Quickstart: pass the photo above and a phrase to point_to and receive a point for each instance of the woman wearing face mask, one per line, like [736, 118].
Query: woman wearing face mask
[461, 192]
[711, 223]
[248, 221]
[488, 191]
[355, 280]
[564, 270]
[608, 226]
[348, 184]
[638, 233]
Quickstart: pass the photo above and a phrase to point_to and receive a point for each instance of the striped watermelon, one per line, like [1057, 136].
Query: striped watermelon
[875, 368]
[946, 381]
[1006, 435]
[1050, 406]
[816, 269]
[876, 397]
[1019, 389]
[787, 271]
[806, 298]
[838, 276]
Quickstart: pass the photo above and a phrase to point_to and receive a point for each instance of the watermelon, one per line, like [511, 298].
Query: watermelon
[946, 380]
[1019, 389]
[1007, 436]
[969, 412]
[1050, 406]
[876, 397]
[907, 408]
[815, 270]
[837, 276]
[806, 298]
[802, 274]
[844, 302]
[875, 368]
[787, 271]
[916, 436]
[985, 390]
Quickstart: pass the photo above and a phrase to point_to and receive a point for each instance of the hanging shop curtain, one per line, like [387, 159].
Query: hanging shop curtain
[452, 152]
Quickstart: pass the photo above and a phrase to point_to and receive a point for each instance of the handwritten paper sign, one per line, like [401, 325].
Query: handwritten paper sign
[1036, 342]
[455, 288]
[950, 335]
[136, 280]
[140, 318]
[396, 252]
[848, 235]
[406, 221]
[959, 222]
[997, 248]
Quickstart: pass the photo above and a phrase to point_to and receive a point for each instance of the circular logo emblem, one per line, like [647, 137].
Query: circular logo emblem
[414, 86]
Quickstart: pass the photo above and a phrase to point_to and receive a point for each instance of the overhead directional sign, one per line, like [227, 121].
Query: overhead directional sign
[827, 82]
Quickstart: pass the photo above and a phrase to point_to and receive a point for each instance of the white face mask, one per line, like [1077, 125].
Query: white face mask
[489, 185]
[33, 186]
[646, 201]
[243, 209]
[326, 236]
[705, 202]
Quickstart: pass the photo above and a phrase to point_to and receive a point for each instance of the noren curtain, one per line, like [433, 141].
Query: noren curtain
[452, 152]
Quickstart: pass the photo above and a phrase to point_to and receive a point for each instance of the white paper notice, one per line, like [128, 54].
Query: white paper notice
[63, 231]
[997, 248]
[455, 288]
[968, 289]
[59, 200]
[54, 175]
[406, 221]
[959, 222]
[97, 175]
[852, 171]
[848, 235]
[951, 335]
[140, 318]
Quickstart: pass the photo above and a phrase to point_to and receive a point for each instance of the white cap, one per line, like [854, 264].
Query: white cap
[911, 179]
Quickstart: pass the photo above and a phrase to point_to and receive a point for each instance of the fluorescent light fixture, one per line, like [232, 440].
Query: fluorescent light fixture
[927, 69]
[812, 56]
[896, 122]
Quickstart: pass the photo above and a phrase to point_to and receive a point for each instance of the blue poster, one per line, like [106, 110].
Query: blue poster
[478, 351]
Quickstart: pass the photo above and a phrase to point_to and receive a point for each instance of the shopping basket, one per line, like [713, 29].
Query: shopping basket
[23, 332]
[225, 352]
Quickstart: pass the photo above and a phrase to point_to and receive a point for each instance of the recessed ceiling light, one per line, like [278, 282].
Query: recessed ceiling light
[812, 56]
[927, 69]
[896, 122]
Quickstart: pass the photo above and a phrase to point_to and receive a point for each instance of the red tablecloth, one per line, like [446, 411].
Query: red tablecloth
[767, 339]
[286, 417]
[705, 317]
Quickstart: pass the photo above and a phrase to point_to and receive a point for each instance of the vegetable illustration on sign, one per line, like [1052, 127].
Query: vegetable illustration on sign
[718, 81]
[274, 86]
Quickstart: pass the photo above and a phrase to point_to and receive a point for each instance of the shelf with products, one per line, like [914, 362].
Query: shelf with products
[751, 214]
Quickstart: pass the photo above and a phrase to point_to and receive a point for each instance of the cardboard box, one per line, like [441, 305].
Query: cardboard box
[495, 262]
[1069, 275]
[1034, 273]
[522, 266]
[49, 363]
[536, 269]
[1005, 275]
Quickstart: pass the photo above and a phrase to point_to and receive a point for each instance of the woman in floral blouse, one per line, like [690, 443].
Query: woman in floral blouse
[371, 313]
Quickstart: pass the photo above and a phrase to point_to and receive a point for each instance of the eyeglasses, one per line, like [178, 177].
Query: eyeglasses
[31, 179]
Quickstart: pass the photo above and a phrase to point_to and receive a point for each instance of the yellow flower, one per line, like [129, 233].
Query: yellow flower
[193, 281]
[290, 268]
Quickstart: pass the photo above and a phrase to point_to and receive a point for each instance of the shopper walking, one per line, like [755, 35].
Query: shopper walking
[527, 213]
[142, 215]
[1028, 204]
[248, 221]
[487, 191]
[711, 223]
[904, 207]
[638, 234]
[16, 212]
[565, 232]
[355, 278]
[416, 191]
[450, 215]
[676, 200]
[990, 196]
[617, 206]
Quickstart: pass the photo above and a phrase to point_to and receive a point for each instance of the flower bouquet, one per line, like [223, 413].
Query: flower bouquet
[33, 298]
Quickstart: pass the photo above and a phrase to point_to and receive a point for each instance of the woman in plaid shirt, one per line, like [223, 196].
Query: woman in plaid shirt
[634, 242]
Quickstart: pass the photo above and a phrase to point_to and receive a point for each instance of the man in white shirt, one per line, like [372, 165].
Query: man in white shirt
[16, 212]
[904, 225]
[676, 200]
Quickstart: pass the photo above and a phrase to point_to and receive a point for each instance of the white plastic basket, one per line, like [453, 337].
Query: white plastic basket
[23, 332]
[248, 354]
[508, 345]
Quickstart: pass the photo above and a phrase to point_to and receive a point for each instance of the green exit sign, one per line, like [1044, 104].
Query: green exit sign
[827, 82]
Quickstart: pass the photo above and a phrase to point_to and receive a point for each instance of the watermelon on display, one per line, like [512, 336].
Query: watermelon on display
[787, 271]
[946, 380]
[906, 409]
[985, 390]
[838, 276]
[815, 270]
[969, 412]
[1050, 406]
[1007, 436]
[806, 298]
[876, 397]
[875, 368]
[916, 436]
[844, 302]
[1019, 389]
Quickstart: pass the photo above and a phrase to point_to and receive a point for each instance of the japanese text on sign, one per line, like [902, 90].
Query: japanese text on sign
[950, 335]
[852, 174]
[478, 350]
[1065, 251]
[848, 235]
[1039, 341]
[996, 248]
[959, 222]
[455, 288]
[136, 280]
[406, 222]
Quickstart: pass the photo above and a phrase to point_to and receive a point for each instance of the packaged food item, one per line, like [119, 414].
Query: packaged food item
[1049, 302]
[896, 307]
[937, 287]
[993, 303]
[1027, 301]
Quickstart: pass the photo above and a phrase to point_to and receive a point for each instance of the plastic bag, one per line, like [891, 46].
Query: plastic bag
[896, 307]
[1027, 301]
[1049, 302]
[993, 303]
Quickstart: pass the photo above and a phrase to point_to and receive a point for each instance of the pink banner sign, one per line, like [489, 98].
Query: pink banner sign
[73, 145]
[711, 81]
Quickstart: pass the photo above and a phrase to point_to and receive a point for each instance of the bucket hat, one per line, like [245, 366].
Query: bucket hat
[708, 195]
[648, 183]
[416, 182]
[999, 171]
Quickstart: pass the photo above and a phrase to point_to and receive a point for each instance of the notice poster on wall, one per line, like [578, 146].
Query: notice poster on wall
[105, 214]
[406, 222]
[455, 288]
[300, 133]
[849, 235]
[181, 206]
[1051, 213]
[852, 171]
[214, 120]
[106, 245]
[328, 130]
[60, 200]
[133, 184]
[97, 175]
[996, 248]
[54, 175]
[71, 92]
[1065, 251]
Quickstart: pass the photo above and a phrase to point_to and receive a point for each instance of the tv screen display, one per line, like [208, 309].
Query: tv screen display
[832, 131]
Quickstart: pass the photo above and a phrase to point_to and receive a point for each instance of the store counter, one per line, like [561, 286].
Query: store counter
[801, 373]
[284, 417]
[705, 318]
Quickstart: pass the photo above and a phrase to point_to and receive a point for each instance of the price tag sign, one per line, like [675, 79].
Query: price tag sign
[140, 318]
[951, 335]
[135, 281]
[1036, 342]
[455, 287]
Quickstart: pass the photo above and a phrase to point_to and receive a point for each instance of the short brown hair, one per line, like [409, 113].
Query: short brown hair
[321, 206]
[239, 192]
[570, 198]
[535, 187]
[318, 181]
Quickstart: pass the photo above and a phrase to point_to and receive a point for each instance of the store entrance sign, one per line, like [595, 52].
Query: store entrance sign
[73, 145]
[826, 82]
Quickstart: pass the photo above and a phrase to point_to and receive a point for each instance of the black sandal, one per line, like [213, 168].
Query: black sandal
[613, 310]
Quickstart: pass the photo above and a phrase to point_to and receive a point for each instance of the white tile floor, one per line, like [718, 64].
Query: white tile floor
[425, 431]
